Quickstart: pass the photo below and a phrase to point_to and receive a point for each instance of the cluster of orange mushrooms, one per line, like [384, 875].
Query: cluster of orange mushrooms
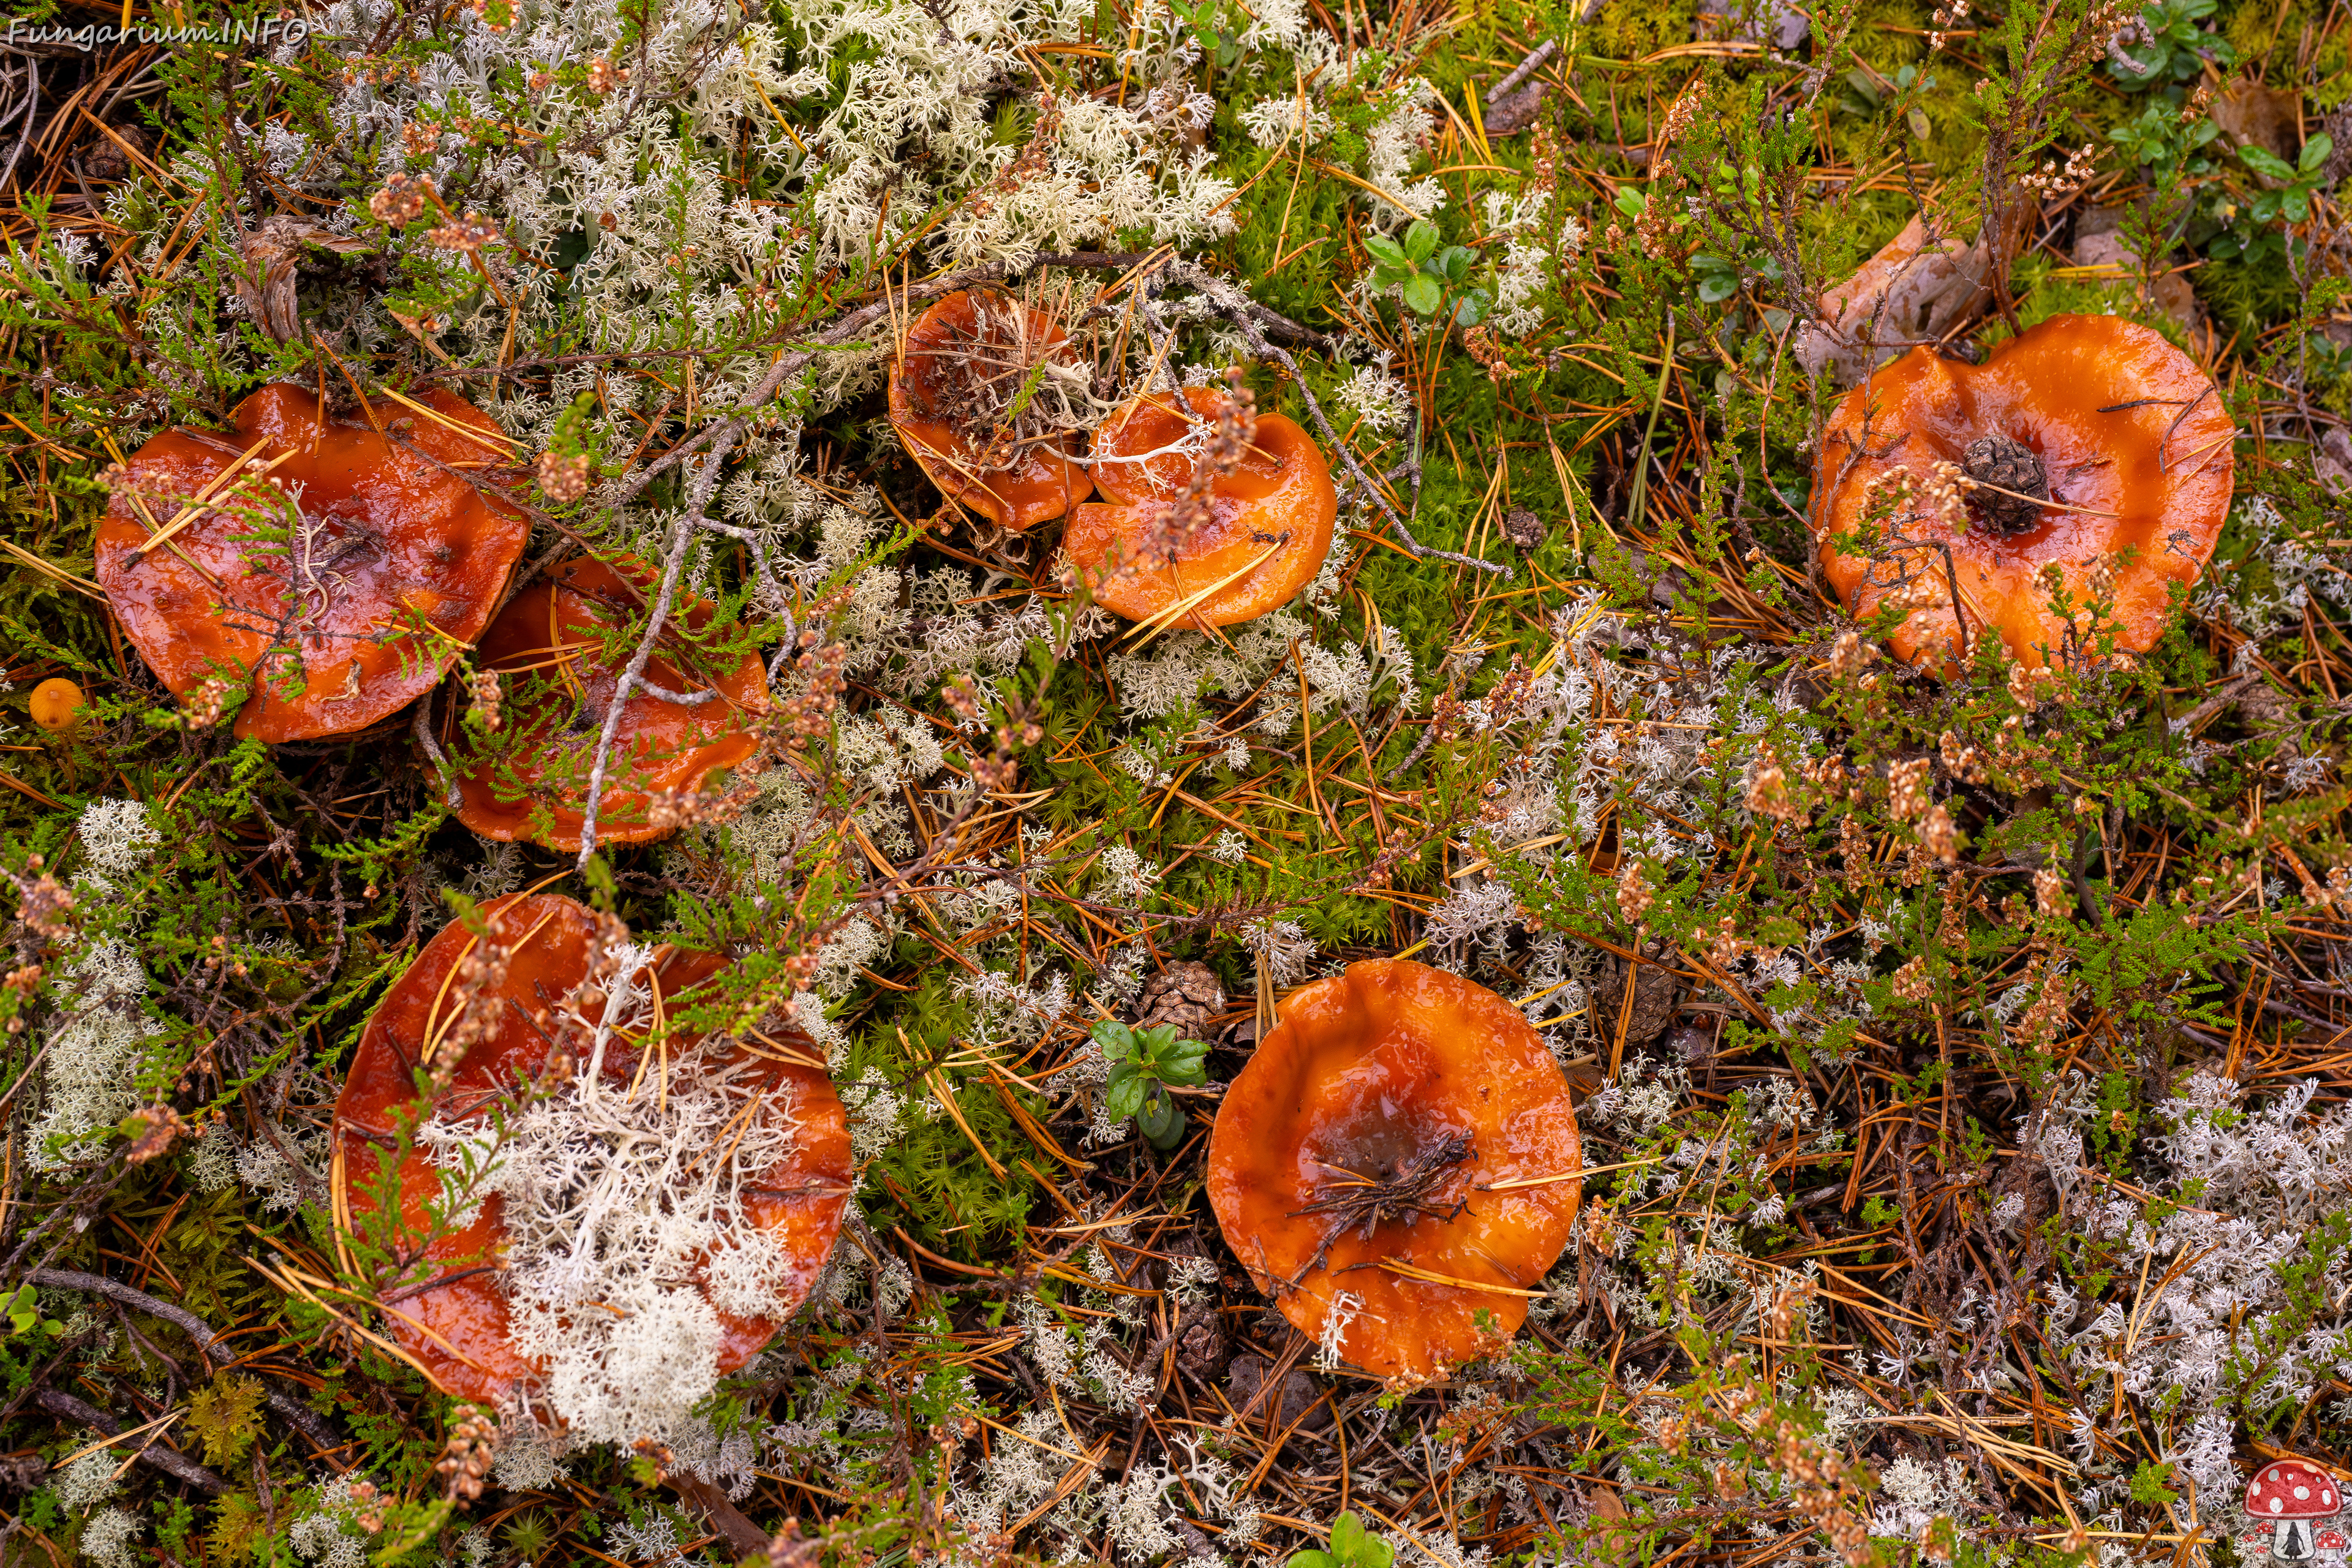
[1397, 1166]
[389, 565]
[966, 372]
[322, 571]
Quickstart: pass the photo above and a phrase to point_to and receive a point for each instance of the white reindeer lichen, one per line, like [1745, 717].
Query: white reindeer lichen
[630, 1227]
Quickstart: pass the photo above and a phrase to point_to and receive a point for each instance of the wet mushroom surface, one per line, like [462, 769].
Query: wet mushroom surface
[54, 703]
[980, 395]
[558, 654]
[1260, 537]
[553, 1000]
[1399, 1156]
[329, 566]
[2086, 455]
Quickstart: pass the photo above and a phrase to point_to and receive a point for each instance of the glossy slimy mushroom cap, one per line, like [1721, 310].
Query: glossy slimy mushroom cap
[547, 647]
[1266, 535]
[456, 1321]
[1399, 1155]
[969, 397]
[53, 704]
[397, 563]
[2078, 439]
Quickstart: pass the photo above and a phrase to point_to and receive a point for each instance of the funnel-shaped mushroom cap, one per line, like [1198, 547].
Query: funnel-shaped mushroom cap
[397, 563]
[2095, 413]
[1269, 530]
[457, 1325]
[531, 781]
[2292, 1488]
[969, 399]
[1401, 1101]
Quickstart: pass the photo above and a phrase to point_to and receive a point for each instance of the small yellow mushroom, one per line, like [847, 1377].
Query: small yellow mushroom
[54, 702]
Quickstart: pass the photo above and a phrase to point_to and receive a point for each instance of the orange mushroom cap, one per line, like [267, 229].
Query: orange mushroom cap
[533, 782]
[331, 628]
[456, 1325]
[53, 704]
[1271, 524]
[2121, 428]
[1386, 1073]
[964, 399]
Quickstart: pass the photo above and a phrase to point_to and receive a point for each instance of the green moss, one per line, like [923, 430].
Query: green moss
[1632, 30]
[1292, 235]
[2245, 300]
[223, 1415]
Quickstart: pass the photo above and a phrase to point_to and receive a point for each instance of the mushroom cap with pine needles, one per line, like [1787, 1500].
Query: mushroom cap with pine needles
[329, 567]
[1399, 1157]
[610, 1212]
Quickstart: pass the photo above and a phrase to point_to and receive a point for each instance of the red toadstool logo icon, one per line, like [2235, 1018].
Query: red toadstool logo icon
[2287, 1495]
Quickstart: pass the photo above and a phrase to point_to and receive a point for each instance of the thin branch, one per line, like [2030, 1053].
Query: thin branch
[156, 1452]
[422, 731]
[697, 500]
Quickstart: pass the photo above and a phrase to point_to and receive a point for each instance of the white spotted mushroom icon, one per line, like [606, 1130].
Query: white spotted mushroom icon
[2288, 1495]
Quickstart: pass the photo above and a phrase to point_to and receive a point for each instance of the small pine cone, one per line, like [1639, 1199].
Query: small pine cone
[1656, 998]
[2011, 464]
[1184, 994]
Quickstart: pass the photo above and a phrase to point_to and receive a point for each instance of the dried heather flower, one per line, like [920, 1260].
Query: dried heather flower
[1034, 161]
[563, 479]
[1937, 835]
[158, 1127]
[488, 695]
[465, 1459]
[1861, 863]
[1906, 787]
[44, 903]
[1480, 343]
[1962, 760]
[670, 810]
[202, 708]
[2050, 893]
[2041, 1023]
[1634, 894]
[475, 1000]
[805, 717]
[2025, 684]
[2051, 182]
[1888, 495]
[962, 696]
[402, 200]
[1915, 592]
[1767, 789]
[1850, 654]
[1194, 507]
[467, 234]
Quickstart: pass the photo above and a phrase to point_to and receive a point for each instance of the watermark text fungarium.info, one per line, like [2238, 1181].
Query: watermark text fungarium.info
[249, 32]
